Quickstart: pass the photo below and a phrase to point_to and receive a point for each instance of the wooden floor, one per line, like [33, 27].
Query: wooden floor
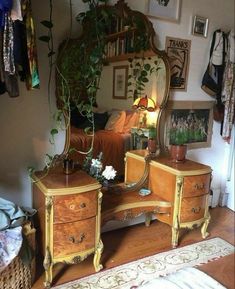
[128, 244]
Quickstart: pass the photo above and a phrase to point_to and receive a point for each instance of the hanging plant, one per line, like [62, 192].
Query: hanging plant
[85, 56]
[141, 72]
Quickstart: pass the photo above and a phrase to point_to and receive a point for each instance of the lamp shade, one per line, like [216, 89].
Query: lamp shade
[144, 103]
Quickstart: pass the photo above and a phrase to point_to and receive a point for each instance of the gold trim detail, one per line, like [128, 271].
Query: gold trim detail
[137, 205]
[69, 191]
[181, 173]
[74, 258]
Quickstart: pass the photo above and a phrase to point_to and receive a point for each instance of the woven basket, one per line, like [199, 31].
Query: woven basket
[18, 275]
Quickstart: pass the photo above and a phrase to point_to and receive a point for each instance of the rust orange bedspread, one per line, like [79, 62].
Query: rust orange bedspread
[110, 143]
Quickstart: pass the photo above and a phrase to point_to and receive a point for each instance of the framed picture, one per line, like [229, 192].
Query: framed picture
[120, 78]
[200, 26]
[194, 117]
[164, 9]
[178, 51]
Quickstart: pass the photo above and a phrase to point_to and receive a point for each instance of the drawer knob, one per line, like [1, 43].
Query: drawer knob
[199, 186]
[196, 210]
[83, 205]
[74, 241]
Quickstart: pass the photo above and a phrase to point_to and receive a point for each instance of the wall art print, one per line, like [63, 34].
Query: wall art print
[194, 118]
[178, 51]
[164, 9]
[120, 77]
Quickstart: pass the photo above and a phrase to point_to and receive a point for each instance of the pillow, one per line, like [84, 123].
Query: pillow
[116, 121]
[76, 119]
[130, 121]
[100, 120]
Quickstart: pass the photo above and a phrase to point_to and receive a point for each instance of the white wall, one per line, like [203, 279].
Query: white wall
[25, 121]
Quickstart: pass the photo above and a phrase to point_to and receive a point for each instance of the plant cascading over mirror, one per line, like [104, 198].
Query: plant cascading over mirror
[78, 68]
[79, 63]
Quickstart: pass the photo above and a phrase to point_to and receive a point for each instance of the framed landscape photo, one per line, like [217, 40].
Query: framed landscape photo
[194, 118]
[200, 26]
[164, 9]
[120, 78]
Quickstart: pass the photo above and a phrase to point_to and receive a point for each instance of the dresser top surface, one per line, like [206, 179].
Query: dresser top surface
[164, 162]
[58, 183]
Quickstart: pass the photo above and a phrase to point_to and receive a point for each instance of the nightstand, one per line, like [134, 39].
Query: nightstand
[68, 218]
[139, 138]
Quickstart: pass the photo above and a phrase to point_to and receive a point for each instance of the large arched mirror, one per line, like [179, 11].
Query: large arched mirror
[132, 69]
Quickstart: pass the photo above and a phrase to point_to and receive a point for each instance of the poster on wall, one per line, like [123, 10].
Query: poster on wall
[178, 51]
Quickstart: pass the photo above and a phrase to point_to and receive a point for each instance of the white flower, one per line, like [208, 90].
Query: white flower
[109, 173]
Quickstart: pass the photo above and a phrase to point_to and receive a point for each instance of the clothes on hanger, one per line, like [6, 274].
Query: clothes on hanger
[228, 89]
[18, 53]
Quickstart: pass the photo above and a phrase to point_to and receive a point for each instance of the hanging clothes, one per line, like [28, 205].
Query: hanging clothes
[228, 89]
[5, 6]
[32, 79]
[18, 53]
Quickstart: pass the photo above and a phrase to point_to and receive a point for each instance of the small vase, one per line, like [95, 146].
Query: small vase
[178, 153]
[68, 166]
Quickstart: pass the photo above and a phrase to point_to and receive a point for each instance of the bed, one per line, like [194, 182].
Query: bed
[112, 138]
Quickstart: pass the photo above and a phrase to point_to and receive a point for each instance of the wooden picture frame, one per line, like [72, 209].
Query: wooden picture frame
[168, 10]
[196, 116]
[200, 26]
[120, 79]
[178, 51]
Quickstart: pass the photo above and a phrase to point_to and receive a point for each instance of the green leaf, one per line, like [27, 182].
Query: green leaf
[88, 130]
[144, 73]
[147, 66]
[47, 23]
[51, 53]
[145, 79]
[44, 38]
[54, 131]
[30, 170]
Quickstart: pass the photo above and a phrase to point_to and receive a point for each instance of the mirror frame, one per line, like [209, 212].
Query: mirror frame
[122, 9]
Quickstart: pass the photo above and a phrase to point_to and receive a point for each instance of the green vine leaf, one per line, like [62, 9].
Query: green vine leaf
[44, 38]
[54, 131]
[51, 53]
[47, 23]
[30, 170]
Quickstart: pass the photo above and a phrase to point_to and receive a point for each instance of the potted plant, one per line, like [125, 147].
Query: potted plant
[179, 136]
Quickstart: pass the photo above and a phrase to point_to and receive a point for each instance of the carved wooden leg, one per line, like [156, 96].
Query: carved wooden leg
[48, 272]
[175, 237]
[204, 232]
[97, 256]
[148, 219]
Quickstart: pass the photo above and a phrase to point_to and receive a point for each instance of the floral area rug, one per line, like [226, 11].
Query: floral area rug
[133, 274]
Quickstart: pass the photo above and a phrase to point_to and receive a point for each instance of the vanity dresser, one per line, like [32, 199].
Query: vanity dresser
[72, 208]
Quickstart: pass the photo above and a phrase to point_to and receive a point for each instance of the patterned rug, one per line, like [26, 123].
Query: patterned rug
[132, 274]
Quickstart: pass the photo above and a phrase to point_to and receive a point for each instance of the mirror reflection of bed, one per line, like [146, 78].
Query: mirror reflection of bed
[114, 117]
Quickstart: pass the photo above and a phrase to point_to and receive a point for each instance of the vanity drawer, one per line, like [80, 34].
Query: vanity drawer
[74, 237]
[196, 185]
[193, 209]
[75, 207]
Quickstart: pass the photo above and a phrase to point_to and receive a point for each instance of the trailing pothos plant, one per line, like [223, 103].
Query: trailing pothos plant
[79, 61]
[141, 69]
